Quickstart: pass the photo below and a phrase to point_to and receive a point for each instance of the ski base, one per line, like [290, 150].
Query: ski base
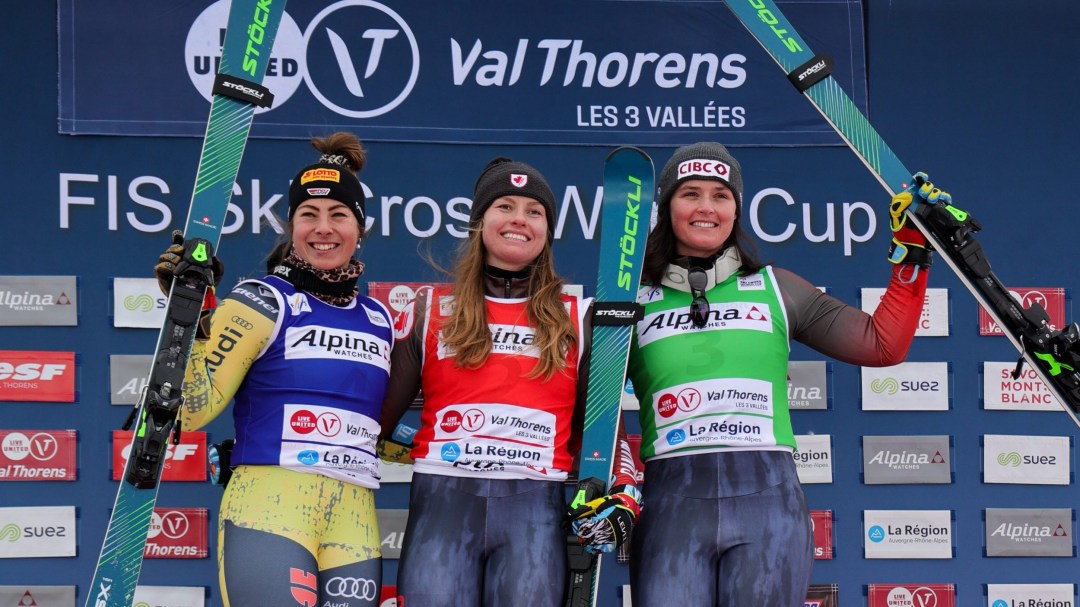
[626, 208]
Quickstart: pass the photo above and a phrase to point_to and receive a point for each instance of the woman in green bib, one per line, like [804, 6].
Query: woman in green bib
[709, 366]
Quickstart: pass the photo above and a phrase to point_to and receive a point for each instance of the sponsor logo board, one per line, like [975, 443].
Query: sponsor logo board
[183, 462]
[813, 458]
[1026, 460]
[1029, 532]
[907, 534]
[49, 301]
[38, 531]
[177, 533]
[392, 527]
[915, 386]
[911, 595]
[37, 455]
[934, 319]
[892, 460]
[37, 376]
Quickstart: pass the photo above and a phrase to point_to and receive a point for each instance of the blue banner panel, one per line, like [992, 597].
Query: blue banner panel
[596, 72]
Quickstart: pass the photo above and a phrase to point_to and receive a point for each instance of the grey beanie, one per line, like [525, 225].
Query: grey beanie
[704, 160]
[504, 177]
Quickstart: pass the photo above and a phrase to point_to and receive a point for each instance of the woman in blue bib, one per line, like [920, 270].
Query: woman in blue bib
[306, 359]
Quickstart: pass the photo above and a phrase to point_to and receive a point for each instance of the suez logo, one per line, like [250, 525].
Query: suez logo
[38, 531]
[1013, 459]
[890, 385]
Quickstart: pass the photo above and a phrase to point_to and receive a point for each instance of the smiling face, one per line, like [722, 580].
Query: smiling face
[514, 232]
[325, 233]
[702, 216]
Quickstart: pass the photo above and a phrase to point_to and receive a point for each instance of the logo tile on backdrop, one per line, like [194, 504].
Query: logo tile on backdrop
[37, 596]
[915, 386]
[808, 386]
[1052, 299]
[1029, 532]
[37, 455]
[392, 527]
[897, 460]
[38, 376]
[911, 595]
[907, 534]
[170, 596]
[1008, 595]
[1026, 460]
[813, 458]
[128, 374]
[823, 595]
[822, 522]
[138, 303]
[1025, 393]
[39, 301]
[177, 533]
[934, 319]
[38, 531]
[183, 462]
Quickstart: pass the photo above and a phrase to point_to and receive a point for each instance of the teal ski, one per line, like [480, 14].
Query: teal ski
[249, 37]
[1053, 353]
[624, 225]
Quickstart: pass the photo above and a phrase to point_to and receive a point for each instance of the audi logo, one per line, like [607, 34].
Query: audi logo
[352, 588]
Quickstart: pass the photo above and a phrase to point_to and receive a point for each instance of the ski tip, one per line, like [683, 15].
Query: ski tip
[626, 148]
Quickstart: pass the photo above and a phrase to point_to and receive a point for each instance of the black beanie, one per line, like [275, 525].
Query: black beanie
[504, 177]
[330, 177]
[705, 160]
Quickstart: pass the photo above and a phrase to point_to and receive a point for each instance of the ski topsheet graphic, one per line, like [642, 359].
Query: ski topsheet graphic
[249, 37]
[1053, 353]
[624, 225]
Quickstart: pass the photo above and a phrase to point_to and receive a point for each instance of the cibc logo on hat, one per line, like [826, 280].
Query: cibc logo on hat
[701, 167]
[519, 180]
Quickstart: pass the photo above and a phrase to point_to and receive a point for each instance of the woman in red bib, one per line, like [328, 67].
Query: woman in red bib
[500, 359]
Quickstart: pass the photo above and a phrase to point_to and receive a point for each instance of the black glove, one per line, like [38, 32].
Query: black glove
[172, 257]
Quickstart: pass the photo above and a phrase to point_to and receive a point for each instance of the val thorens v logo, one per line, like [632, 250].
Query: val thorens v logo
[375, 52]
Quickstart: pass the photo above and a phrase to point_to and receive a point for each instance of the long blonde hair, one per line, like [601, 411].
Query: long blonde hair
[466, 329]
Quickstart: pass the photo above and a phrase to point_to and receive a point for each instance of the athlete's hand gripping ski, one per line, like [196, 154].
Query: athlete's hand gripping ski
[909, 246]
[604, 523]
